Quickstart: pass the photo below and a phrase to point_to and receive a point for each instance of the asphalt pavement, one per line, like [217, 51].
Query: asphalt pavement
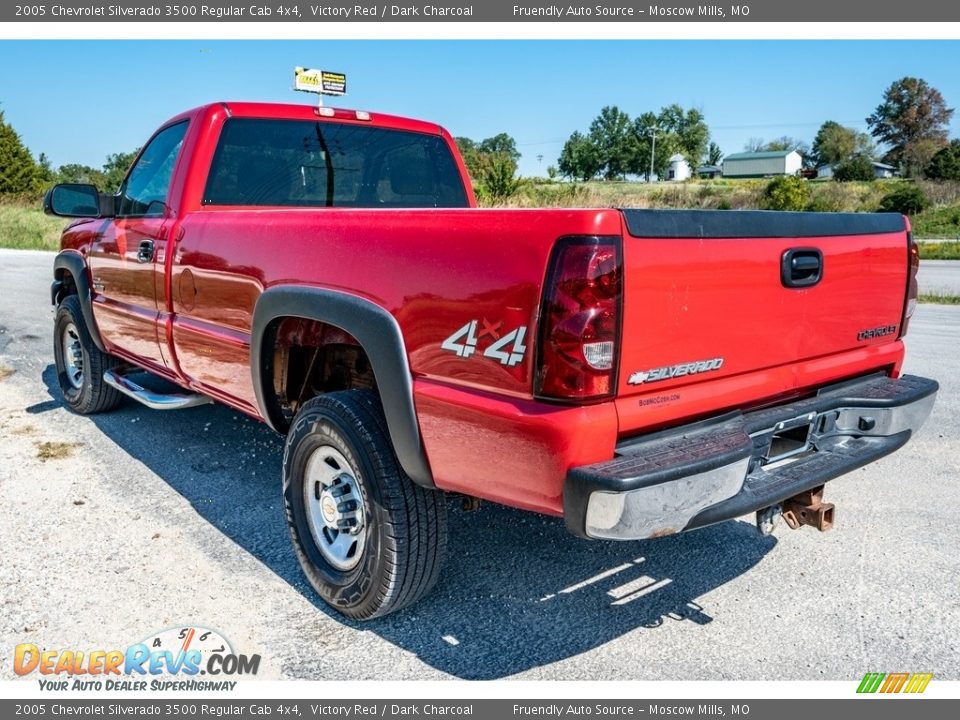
[939, 276]
[153, 520]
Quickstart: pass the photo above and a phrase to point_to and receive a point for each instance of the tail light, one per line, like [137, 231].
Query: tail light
[580, 320]
[913, 290]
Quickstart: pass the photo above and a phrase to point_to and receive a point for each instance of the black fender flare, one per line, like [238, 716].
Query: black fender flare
[69, 261]
[380, 336]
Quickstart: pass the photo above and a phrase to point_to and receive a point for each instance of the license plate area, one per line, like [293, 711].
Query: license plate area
[786, 439]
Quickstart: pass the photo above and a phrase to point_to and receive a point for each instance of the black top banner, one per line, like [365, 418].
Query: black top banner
[607, 11]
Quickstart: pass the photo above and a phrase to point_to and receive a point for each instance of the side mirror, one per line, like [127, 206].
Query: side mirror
[76, 201]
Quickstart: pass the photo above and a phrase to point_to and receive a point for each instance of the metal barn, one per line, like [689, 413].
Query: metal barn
[762, 164]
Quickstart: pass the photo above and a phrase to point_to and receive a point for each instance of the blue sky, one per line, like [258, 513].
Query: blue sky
[79, 101]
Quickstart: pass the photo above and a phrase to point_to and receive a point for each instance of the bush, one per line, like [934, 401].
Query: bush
[538, 195]
[906, 200]
[825, 202]
[838, 197]
[857, 168]
[496, 176]
[941, 192]
[945, 165]
[787, 193]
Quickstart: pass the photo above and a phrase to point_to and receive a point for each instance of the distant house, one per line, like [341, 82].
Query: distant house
[762, 164]
[880, 171]
[679, 168]
[709, 172]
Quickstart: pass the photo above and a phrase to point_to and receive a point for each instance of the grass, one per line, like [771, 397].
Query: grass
[27, 228]
[949, 250]
[939, 298]
[941, 222]
[52, 450]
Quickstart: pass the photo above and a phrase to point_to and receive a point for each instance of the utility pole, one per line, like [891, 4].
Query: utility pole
[653, 149]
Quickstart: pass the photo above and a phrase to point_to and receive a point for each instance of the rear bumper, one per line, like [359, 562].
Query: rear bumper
[722, 468]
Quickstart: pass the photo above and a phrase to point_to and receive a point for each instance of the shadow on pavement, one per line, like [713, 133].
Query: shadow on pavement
[518, 591]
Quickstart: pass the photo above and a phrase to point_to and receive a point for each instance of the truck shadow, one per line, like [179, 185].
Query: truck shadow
[518, 592]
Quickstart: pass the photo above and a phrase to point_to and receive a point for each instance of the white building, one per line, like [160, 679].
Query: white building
[679, 168]
[881, 171]
[762, 164]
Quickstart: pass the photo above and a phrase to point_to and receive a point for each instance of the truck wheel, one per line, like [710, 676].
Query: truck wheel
[369, 540]
[80, 364]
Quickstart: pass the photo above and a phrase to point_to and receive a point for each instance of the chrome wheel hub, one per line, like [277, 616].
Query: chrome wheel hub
[334, 506]
[72, 355]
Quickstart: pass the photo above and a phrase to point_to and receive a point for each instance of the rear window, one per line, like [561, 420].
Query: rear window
[325, 164]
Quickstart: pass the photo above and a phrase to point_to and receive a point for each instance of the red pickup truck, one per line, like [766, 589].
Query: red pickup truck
[638, 372]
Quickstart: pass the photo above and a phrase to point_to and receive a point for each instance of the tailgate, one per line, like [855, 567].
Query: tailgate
[705, 295]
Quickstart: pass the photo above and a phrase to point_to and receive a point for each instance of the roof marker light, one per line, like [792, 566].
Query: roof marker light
[363, 115]
[325, 111]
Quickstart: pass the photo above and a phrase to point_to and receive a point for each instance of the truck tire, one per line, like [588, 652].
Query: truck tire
[80, 363]
[369, 540]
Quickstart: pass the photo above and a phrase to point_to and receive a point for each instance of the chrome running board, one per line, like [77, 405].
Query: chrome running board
[153, 400]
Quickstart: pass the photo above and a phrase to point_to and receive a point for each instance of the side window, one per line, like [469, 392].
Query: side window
[144, 193]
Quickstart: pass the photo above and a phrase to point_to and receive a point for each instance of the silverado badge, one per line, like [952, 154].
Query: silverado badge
[671, 371]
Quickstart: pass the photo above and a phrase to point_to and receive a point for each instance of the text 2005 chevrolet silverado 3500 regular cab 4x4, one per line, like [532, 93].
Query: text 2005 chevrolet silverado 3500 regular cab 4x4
[639, 372]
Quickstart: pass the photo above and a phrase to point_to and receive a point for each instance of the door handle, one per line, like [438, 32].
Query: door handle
[145, 252]
[801, 267]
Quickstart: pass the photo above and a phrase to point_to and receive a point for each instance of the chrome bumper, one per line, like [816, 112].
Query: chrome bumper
[719, 469]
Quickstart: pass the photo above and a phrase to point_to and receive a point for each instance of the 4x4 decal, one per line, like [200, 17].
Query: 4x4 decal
[508, 349]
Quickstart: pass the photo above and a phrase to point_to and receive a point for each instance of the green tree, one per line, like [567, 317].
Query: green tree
[46, 176]
[836, 144]
[945, 165]
[500, 143]
[474, 153]
[611, 135]
[784, 142]
[579, 158]
[18, 171]
[691, 135]
[666, 146]
[115, 169]
[858, 167]
[84, 174]
[714, 154]
[912, 120]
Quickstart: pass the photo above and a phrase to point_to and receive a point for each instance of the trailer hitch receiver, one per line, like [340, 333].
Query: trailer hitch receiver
[808, 508]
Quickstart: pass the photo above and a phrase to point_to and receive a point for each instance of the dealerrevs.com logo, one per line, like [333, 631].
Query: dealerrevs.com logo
[172, 659]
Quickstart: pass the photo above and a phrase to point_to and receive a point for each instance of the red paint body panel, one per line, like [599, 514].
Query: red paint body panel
[188, 314]
[509, 450]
